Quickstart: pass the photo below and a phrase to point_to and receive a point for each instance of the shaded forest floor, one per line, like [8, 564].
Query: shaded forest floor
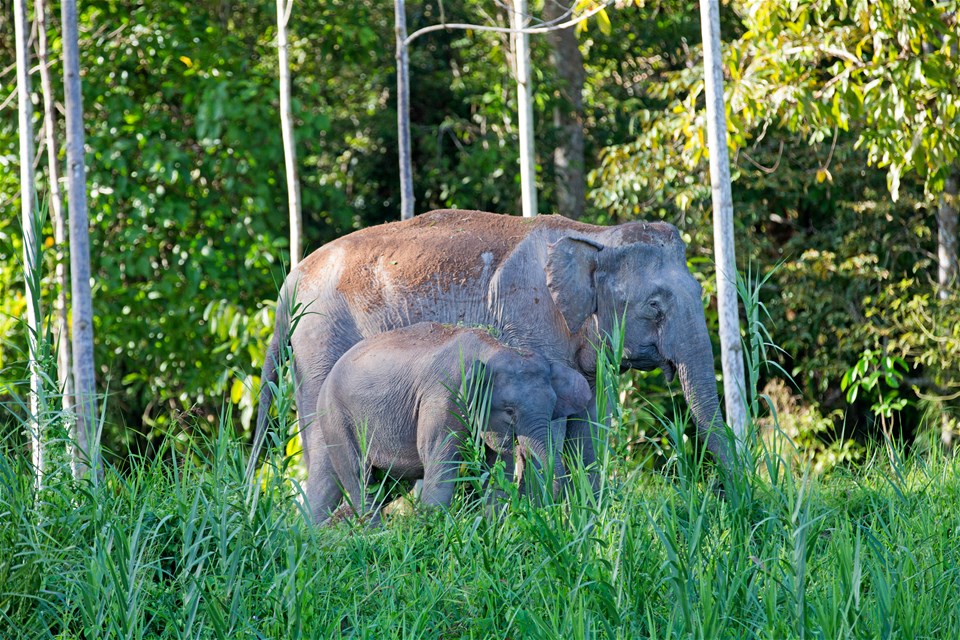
[177, 549]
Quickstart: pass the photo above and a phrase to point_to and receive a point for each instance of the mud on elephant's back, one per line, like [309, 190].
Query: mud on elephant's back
[422, 252]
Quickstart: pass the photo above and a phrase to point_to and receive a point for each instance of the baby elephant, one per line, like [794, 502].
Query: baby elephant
[392, 398]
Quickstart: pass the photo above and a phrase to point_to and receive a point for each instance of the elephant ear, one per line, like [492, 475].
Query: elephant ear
[573, 391]
[571, 264]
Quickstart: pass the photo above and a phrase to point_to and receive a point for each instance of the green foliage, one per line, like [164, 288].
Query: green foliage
[175, 549]
[889, 67]
[882, 70]
[185, 180]
[802, 434]
[835, 109]
[876, 375]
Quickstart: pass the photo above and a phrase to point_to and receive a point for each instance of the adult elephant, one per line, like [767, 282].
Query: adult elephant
[548, 284]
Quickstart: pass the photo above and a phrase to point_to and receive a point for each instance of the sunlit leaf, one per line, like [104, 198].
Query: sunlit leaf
[604, 21]
[236, 391]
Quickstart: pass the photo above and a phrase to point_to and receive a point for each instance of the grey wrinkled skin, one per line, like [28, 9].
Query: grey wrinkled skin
[388, 405]
[546, 284]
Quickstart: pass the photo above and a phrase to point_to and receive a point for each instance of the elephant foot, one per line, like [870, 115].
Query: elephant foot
[338, 515]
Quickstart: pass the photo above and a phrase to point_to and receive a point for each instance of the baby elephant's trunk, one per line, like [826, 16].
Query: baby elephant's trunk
[544, 464]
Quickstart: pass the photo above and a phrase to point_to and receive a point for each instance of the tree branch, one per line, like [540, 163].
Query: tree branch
[530, 30]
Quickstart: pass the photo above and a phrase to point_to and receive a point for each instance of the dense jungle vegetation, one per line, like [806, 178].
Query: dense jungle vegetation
[843, 121]
[841, 523]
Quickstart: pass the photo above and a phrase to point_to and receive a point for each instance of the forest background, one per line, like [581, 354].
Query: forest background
[843, 129]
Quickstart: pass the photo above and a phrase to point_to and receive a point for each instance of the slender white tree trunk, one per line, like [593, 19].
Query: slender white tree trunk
[86, 433]
[948, 273]
[528, 185]
[947, 237]
[30, 244]
[289, 140]
[61, 321]
[734, 388]
[403, 112]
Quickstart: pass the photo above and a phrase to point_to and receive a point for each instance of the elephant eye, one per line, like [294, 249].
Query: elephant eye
[655, 307]
[510, 411]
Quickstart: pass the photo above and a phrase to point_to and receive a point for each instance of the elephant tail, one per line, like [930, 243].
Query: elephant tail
[269, 377]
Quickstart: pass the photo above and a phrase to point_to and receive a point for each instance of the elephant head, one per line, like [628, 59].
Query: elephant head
[528, 398]
[647, 288]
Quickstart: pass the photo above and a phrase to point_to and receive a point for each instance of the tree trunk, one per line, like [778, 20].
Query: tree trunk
[947, 274]
[403, 111]
[61, 324]
[86, 433]
[568, 116]
[947, 237]
[528, 186]
[289, 140]
[31, 274]
[734, 387]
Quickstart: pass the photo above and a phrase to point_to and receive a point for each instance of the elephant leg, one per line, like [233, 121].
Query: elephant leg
[354, 477]
[353, 480]
[322, 488]
[318, 342]
[306, 391]
[496, 495]
[440, 469]
[342, 451]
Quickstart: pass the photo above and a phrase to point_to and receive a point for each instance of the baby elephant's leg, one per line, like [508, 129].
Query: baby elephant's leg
[350, 469]
[441, 464]
[355, 477]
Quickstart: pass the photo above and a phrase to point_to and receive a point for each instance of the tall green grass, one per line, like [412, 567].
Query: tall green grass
[174, 549]
[177, 547]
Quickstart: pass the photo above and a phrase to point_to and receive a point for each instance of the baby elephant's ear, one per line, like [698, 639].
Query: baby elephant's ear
[573, 391]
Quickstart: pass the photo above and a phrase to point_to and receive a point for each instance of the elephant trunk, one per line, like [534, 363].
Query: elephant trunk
[546, 458]
[695, 368]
